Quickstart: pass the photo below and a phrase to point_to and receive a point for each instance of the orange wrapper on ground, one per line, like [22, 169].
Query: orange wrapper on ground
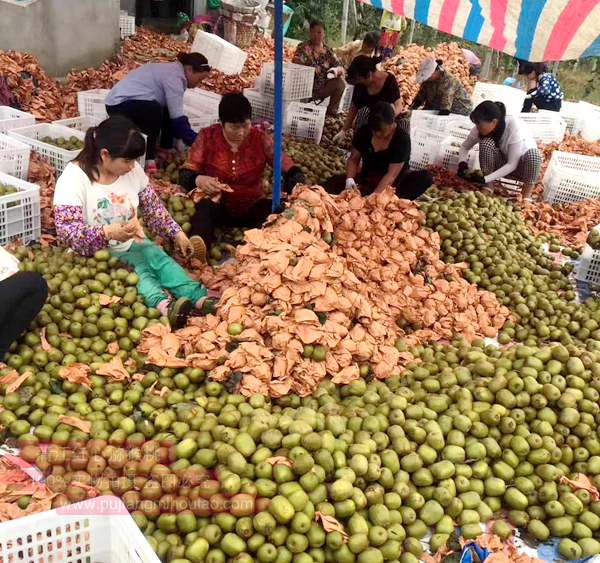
[114, 370]
[77, 373]
[317, 295]
[582, 482]
[83, 425]
[331, 524]
[12, 380]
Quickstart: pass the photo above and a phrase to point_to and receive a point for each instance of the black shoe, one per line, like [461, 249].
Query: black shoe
[179, 312]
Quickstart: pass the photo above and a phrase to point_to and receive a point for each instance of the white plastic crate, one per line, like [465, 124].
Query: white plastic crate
[588, 125]
[571, 177]
[546, 126]
[58, 157]
[126, 25]
[512, 98]
[460, 128]
[587, 268]
[346, 99]
[298, 81]
[305, 121]
[93, 531]
[11, 118]
[19, 219]
[92, 103]
[448, 152]
[220, 54]
[84, 122]
[263, 107]
[570, 112]
[14, 157]
[200, 120]
[424, 147]
[81, 122]
[202, 100]
[429, 119]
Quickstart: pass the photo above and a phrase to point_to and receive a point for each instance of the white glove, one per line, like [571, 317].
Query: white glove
[350, 184]
[339, 136]
[335, 72]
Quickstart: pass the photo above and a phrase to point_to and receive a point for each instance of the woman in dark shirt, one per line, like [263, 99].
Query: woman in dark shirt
[370, 87]
[380, 158]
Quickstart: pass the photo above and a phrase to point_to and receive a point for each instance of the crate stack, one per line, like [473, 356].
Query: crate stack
[302, 120]
[571, 177]
[126, 24]
[20, 216]
[436, 139]
[201, 108]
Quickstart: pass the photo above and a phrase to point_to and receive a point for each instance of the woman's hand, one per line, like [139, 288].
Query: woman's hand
[208, 185]
[183, 245]
[350, 184]
[121, 232]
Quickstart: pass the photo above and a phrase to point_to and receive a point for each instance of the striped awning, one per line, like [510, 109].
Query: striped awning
[532, 30]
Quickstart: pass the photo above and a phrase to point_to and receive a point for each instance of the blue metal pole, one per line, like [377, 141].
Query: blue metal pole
[278, 104]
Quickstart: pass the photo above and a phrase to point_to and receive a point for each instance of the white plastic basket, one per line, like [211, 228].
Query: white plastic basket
[200, 120]
[305, 121]
[298, 81]
[81, 122]
[570, 112]
[202, 100]
[220, 54]
[14, 157]
[93, 103]
[58, 157]
[346, 99]
[126, 25]
[429, 119]
[263, 107]
[19, 219]
[512, 98]
[460, 128]
[11, 118]
[93, 531]
[588, 265]
[571, 177]
[588, 125]
[424, 147]
[449, 150]
[546, 126]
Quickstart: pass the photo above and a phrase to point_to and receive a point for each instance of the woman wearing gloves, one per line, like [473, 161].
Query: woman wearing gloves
[506, 148]
[546, 92]
[329, 82]
[370, 87]
[22, 295]
[225, 169]
[95, 207]
[440, 91]
[152, 97]
[379, 158]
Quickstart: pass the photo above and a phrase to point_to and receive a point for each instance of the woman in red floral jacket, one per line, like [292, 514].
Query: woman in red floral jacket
[235, 154]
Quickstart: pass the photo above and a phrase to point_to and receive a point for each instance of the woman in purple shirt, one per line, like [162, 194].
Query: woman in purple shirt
[152, 97]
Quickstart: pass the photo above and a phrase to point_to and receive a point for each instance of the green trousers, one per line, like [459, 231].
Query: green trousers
[159, 272]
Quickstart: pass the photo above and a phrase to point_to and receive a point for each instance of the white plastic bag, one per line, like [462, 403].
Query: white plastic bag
[9, 265]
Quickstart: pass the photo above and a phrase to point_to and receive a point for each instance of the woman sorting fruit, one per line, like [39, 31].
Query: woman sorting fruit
[370, 87]
[545, 91]
[440, 91]
[95, 208]
[152, 97]
[507, 148]
[22, 296]
[225, 171]
[328, 69]
[380, 158]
